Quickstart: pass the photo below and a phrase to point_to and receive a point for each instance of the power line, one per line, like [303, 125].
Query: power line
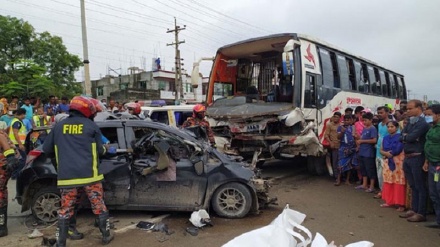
[201, 34]
[118, 9]
[209, 15]
[197, 18]
[230, 17]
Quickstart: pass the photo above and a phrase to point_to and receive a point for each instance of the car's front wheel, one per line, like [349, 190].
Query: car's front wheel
[46, 203]
[232, 200]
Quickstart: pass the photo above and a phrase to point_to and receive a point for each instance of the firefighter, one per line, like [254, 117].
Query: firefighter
[134, 109]
[8, 163]
[198, 119]
[76, 142]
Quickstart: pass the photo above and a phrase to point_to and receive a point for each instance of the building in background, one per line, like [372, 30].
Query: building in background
[148, 85]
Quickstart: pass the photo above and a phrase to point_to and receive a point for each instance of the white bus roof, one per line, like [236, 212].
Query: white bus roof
[275, 42]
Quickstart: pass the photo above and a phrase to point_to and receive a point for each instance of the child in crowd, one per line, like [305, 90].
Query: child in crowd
[367, 153]
[347, 149]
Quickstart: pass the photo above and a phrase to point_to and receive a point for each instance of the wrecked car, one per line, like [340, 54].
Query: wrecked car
[157, 167]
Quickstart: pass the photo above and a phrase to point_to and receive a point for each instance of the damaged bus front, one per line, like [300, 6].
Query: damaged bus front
[255, 97]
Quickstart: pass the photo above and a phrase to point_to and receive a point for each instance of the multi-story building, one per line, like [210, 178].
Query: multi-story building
[147, 85]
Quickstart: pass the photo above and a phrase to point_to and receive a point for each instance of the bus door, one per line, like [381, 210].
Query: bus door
[311, 109]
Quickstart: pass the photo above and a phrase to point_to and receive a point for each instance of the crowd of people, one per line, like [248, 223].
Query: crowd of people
[388, 151]
[76, 141]
[18, 118]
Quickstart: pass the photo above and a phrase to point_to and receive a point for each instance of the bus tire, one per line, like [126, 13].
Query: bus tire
[316, 165]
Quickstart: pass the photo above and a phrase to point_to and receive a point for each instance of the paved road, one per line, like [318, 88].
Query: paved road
[340, 213]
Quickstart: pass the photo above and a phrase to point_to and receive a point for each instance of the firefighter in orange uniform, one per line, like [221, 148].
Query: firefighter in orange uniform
[198, 119]
[76, 143]
[8, 163]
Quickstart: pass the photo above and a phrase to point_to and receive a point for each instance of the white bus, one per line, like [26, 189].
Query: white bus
[270, 96]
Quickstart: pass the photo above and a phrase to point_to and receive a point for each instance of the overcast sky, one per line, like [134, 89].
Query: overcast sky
[402, 35]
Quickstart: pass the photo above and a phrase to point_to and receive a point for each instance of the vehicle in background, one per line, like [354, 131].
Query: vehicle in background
[272, 96]
[172, 115]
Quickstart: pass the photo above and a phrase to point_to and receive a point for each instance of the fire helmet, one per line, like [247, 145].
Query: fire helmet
[135, 107]
[83, 105]
[199, 108]
[100, 107]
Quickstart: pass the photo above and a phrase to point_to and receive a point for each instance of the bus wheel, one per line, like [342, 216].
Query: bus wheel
[316, 165]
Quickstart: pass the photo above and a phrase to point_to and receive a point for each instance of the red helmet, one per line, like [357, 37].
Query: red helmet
[100, 107]
[135, 107]
[83, 105]
[199, 108]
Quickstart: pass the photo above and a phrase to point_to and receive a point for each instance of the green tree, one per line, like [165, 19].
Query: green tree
[37, 64]
[32, 80]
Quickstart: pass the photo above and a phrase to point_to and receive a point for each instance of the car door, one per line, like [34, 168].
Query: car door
[176, 188]
[116, 169]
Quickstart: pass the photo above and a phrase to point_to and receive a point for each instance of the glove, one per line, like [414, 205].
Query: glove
[11, 163]
[111, 150]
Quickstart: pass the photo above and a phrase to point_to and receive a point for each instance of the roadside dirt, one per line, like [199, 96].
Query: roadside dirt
[339, 213]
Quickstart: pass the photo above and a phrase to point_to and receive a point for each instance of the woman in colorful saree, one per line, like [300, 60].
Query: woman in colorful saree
[347, 149]
[393, 192]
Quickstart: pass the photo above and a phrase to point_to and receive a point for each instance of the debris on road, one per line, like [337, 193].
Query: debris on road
[35, 234]
[193, 231]
[133, 226]
[286, 230]
[145, 225]
[200, 218]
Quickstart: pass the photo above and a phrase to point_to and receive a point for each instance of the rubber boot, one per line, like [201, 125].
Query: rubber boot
[104, 227]
[73, 232]
[61, 235]
[3, 221]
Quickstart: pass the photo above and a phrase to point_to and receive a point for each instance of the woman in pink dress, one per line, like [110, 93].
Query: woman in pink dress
[394, 190]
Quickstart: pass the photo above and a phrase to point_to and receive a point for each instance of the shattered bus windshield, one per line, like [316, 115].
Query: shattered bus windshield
[253, 69]
[264, 80]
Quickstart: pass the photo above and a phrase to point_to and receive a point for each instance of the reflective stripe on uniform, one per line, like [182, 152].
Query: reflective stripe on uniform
[21, 132]
[37, 122]
[95, 176]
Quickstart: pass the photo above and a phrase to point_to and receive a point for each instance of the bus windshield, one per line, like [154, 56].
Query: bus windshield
[254, 69]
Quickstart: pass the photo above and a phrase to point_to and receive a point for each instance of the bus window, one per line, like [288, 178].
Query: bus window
[223, 90]
[372, 80]
[378, 85]
[351, 74]
[327, 68]
[244, 75]
[358, 76]
[310, 91]
[383, 83]
[402, 88]
[365, 78]
[336, 80]
[390, 86]
[345, 82]
[396, 85]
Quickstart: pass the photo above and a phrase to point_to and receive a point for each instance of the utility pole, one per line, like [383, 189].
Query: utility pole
[87, 84]
[178, 70]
